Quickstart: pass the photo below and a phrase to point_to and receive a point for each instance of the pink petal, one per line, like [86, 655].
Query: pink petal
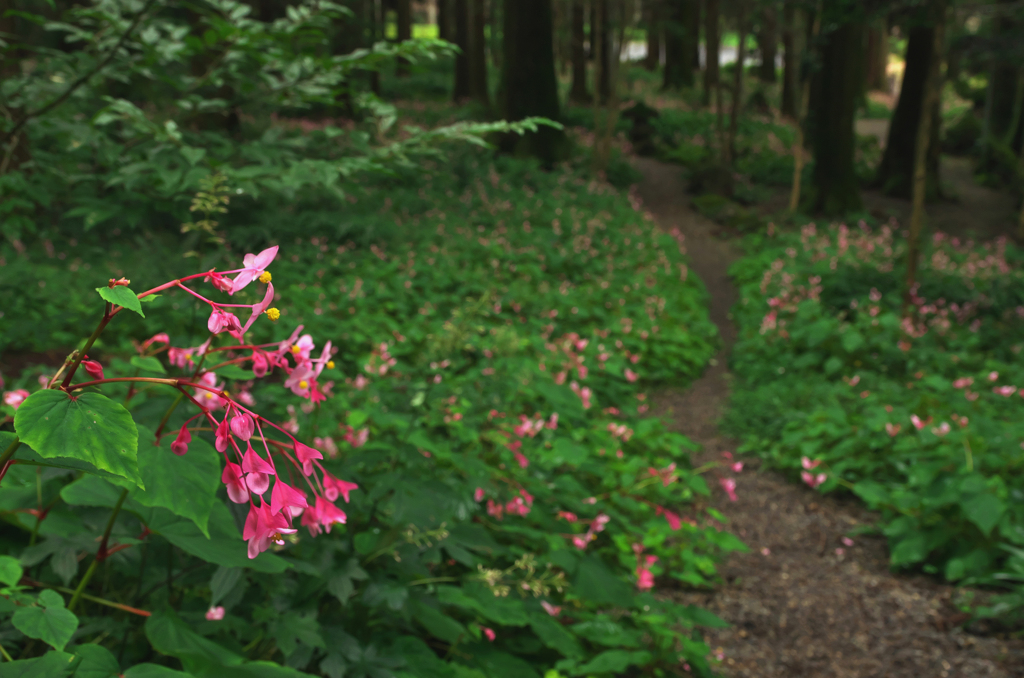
[286, 496]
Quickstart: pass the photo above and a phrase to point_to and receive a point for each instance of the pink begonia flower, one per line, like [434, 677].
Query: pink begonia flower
[335, 487]
[257, 471]
[258, 309]
[301, 349]
[180, 444]
[222, 320]
[631, 376]
[963, 382]
[222, 436]
[737, 467]
[1005, 391]
[328, 514]
[488, 632]
[553, 610]
[847, 541]
[232, 479]
[161, 338]
[253, 266]
[360, 382]
[285, 496]
[552, 423]
[729, 485]
[808, 464]
[992, 376]
[567, 515]
[855, 380]
[299, 380]
[644, 576]
[93, 368]
[215, 613]
[765, 551]
[260, 366]
[263, 528]
[916, 421]
[971, 396]
[478, 494]
[357, 438]
[208, 399]
[942, 429]
[667, 475]
[218, 280]
[813, 480]
[306, 456]
[579, 541]
[15, 398]
[727, 455]
[522, 460]
[892, 429]
[242, 425]
[179, 357]
[673, 519]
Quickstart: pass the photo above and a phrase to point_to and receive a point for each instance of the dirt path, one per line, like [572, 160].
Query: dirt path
[802, 608]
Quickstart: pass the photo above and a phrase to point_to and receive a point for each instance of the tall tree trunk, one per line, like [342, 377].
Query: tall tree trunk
[652, 19]
[478, 53]
[1002, 91]
[602, 56]
[445, 30]
[836, 93]
[876, 78]
[606, 116]
[737, 85]
[578, 94]
[928, 119]
[463, 81]
[693, 26]
[896, 171]
[712, 47]
[768, 43]
[529, 86]
[790, 61]
[403, 23]
[678, 52]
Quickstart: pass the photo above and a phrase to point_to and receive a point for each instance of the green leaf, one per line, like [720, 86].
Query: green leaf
[554, 635]
[170, 635]
[10, 570]
[148, 364]
[48, 621]
[153, 671]
[186, 485]
[224, 579]
[234, 372]
[340, 584]
[871, 492]
[292, 629]
[613, 661]
[97, 662]
[50, 665]
[596, 583]
[852, 340]
[90, 427]
[439, 624]
[27, 456]
[909, 550]
[702, 617]
[984, 510]
[91, 491]
[121, 296]
[193, 155]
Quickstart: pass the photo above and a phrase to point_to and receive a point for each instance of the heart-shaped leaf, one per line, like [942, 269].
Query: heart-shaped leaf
[89, 427]
[49, 621]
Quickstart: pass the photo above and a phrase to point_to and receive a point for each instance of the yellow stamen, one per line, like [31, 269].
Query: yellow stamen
[265, 277]
[273, 313]
[330, 364]
[303, 384]
[296, 350]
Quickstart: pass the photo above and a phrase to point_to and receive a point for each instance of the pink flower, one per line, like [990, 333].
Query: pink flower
[232, 478]
[260, 366]
[916, 421]
[180, 444]
[667, 474]
[737, 467]
[808, 464]
[258, 309]
[242, 425]
[478, 494]
[488, 632]
[222, 320]
[963, 382]
[215, 614]
[813, 480]
[15, 398]
[553, 610]
[329, 514]
[644, 576]
[847, 541]
[306, 455]
[631, 376]
[522, 460]
[257, 471]
[263, 528]
[942, 429]
[93, 368]
[360, 382]
[1005, 391]
[992, 376]
[855, 380]
[971, 396]
[285, 496]
[335, 487]
[179, 357]
[892, 429]
[253, 266]
[208, 399]
[160, 338]
[568, 516]
[222, 438]
[729, 485]
[673, 519]
[552, 421]
[580, 541]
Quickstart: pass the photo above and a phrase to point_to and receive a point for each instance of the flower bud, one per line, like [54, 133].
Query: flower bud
[93, 369]
[180, 444]
[242, 425]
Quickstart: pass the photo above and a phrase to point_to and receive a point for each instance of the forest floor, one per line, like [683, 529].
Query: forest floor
[797, 606]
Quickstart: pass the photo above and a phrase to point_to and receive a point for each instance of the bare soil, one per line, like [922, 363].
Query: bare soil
[796, 605]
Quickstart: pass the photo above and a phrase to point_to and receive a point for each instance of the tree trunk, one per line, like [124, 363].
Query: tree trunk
[896, 171]
[602, 56]
[445, 30]
[678, 52]
[693, 27]
[837, 91]
[1002, 90]
[768, 43]
[652, 18]
[790, 61]
[578, 94]
[463, 80]
[928, 119]
[878, 56]
[478, 53]
[712, 47]
[737, 84]
[803, 86]
[403, 23]
[529, 86]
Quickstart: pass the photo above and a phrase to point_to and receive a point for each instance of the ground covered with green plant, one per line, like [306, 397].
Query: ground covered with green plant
[913, 409]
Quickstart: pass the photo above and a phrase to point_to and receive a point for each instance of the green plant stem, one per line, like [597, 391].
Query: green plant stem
[168, 413]
[9, 452]
[969, 456]
[86, 596]
[85, 349]
[7, 657]
[101, 554]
